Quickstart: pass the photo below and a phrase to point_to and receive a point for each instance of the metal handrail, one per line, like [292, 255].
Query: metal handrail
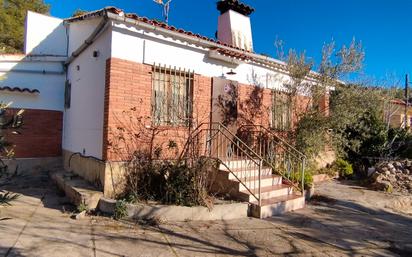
[246, 151]
[288, 148]
[251, 156]
[301, 155]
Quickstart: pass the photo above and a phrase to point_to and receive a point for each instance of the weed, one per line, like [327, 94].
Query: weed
[120, 210]
[7, 197]
[82, 207]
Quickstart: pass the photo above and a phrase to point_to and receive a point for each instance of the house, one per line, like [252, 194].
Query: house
[396, 114]
[95, 73]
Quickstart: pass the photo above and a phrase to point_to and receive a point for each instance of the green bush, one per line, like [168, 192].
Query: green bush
[344, 168]
[308, 179]
[296, 177]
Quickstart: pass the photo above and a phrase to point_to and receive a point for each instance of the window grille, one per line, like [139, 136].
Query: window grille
[281, 111]
[172, 95]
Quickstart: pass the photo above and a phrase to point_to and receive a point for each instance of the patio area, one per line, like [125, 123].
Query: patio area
[342, 220]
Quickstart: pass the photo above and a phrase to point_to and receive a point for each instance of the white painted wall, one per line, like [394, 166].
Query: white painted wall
[26, 72]
[235, 29]
[133, 44]
[83, 121]
[44, 35]
[80, 31]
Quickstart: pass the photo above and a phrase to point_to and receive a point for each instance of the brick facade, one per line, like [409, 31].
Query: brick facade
[41, 134]
[127, 111]
[128, 102]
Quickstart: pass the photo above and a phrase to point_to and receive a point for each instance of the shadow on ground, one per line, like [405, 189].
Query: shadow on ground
[37, 226]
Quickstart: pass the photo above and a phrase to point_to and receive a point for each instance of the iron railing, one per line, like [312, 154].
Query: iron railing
[284, 159]
[216, 141]
[246, 152]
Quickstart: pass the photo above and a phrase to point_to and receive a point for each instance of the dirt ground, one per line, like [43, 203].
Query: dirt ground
[342, 220]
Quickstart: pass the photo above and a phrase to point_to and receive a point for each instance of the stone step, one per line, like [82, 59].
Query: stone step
[267, 192]
[238, 164]
[247, 172]
[253, 182]
[277, 205]
[77, 189]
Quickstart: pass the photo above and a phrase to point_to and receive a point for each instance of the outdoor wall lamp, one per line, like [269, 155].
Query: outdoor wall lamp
[96, 53]
[231, 72]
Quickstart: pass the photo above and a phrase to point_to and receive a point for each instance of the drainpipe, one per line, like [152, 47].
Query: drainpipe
[33, 71]
[96, 33]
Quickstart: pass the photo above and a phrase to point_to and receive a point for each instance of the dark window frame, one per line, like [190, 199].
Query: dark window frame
[172, 96]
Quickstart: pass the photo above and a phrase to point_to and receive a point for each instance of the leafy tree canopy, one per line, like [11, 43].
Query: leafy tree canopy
[79, 12]
[12, 19]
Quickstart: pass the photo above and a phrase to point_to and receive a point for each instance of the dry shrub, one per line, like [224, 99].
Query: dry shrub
[169, 182]
[155, 167]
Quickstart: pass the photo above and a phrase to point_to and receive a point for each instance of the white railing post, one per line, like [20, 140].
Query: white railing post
[260, 178]
[303, 175]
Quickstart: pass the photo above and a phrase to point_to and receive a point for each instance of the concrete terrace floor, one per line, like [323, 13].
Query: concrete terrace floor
[344, 220]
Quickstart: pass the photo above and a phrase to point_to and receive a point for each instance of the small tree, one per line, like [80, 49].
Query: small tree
[12, 17]
[9, 122]
[312, 123]
[79, 12]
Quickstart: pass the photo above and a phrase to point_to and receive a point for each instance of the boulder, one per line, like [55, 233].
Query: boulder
[377, 177]
[371, 170]
[397, 165]
[383, 186]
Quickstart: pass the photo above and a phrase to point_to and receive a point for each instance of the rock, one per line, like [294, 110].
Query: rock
[383, 186]
[397, 165]
[394, 175]
[376, 177]
[391, 178]
[79, 216]
[371, 170]
[309, 192]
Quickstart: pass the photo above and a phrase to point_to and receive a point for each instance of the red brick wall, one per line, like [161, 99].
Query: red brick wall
[254, 105]
[324, 104]
[41, 134]
[127, 111]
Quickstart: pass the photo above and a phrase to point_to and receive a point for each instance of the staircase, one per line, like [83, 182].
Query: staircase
[260, 168]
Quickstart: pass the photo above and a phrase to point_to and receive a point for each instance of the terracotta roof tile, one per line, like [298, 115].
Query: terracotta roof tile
[152, 22]
[19, 89]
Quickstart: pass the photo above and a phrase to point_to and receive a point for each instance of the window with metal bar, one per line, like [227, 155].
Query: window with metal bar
[172, 95]
[281, 111]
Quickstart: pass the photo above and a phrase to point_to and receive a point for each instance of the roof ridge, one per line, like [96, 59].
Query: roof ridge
[144, 19]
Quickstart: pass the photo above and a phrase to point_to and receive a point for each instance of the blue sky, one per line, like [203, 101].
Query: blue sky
[383, 26]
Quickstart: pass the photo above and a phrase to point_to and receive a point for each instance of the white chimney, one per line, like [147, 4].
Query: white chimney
[234, 24]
